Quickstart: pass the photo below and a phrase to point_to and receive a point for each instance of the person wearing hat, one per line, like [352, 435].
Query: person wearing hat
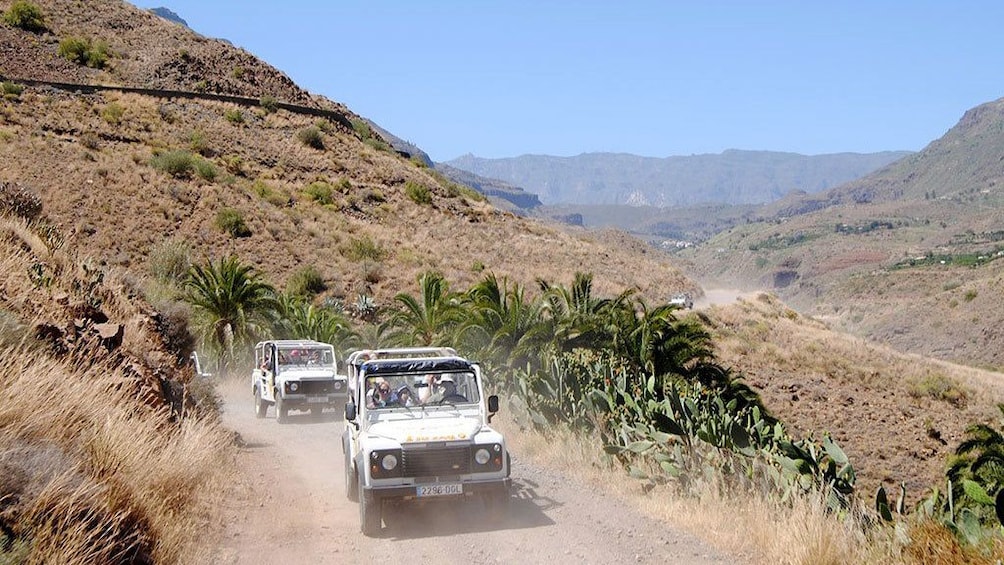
[404, 396]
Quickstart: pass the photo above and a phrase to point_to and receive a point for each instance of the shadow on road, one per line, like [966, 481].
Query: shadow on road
[413, 521]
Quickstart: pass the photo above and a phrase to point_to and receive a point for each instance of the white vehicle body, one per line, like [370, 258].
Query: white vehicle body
[683, 300]
[440, 447]
[296, 375]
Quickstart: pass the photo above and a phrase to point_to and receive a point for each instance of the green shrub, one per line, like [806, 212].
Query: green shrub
[113, 113]
[418, 193]
[238, 72]
[325, 125]
[84, 52]
[10, 90]
[231, 221]
[970, 295]
[179, 163]
[362, 248]
[205, 169]
[26, 16]
[234, 164]
[269, 103]
[305, 282]
[362, 128]
[320, 192]
[198, 142]
[234, 116]
[311, 137]
[938, 387]
[170, 260]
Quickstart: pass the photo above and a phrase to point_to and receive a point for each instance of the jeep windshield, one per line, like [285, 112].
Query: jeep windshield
[306, 357]
[421, 390]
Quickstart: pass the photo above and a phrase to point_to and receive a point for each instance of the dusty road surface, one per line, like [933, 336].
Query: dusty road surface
[288, 505]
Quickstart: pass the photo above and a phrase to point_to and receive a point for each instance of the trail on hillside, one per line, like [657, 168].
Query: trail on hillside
[288, 505]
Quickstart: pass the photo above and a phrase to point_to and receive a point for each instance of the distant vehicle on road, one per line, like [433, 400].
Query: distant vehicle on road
[683, 300]
[296, 375]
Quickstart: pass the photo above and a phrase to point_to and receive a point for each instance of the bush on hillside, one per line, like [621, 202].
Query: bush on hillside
[305, 282]
[11, 90]
[178, 163]
[18, 201]
[231, 221]
[420, 194]
[170, 260]
[81, 51]
[26, 16]
[311, 137]
[320, 192]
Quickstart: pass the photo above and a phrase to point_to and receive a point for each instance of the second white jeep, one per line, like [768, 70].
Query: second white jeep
[294, 374]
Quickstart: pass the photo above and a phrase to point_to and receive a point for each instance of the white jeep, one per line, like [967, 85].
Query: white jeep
[296, 375]
[417, 430]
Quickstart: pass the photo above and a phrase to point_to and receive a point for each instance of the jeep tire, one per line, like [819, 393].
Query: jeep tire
[370, 512]
[260, 406]
[351, 483]
[281, 411]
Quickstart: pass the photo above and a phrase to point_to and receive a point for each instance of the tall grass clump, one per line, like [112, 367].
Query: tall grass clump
[307, 281]
[92, 474]
[170, 260]
[11, 90]
[363, 248]
[311, 137]
[231, 221]
[25, 15]
[321, 192]
[178, 163]
[420, 194]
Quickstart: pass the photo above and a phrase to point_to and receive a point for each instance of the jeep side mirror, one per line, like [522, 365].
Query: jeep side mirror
[493, 406]
[350, 411]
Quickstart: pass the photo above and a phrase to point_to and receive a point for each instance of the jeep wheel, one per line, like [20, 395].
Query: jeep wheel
[260, 406]
[351, 483]
[370, 512]
[281, 411]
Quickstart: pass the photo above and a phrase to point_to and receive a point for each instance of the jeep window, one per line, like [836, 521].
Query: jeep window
[411, 390]
[306, 357]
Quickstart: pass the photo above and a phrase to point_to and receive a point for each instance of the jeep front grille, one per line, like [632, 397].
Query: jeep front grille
[427, 462]
[316, 387]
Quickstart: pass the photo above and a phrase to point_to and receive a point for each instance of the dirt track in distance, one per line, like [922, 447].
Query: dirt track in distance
[288, 505]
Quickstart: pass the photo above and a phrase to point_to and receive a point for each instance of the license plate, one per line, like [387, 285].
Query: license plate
[445, 489]
[317, 399]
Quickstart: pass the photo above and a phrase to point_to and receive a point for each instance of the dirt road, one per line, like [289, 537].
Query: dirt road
[289, 506]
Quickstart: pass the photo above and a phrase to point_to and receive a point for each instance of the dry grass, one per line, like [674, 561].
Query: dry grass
[92, 472]
[752, 528]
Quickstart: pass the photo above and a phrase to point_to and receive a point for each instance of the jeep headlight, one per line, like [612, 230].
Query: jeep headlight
[385, 463]
[489, 457]
[389, 462]
[293, 387]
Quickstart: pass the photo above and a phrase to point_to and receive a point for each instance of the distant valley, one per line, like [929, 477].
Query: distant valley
[733, 177]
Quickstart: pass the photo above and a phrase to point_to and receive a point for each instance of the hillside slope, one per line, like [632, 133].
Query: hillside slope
[907, 256]
[91, 158]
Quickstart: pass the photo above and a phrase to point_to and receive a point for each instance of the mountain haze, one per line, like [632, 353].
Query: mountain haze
[732, 177]
[909, 255]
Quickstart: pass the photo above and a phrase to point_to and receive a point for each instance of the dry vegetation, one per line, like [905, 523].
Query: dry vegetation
[98, 463]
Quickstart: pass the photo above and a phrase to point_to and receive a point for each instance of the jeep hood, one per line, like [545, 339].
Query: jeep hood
[427, 429]
[308, 373]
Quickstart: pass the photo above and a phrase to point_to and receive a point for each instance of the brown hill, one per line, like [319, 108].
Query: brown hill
[907, 256]
[91, 158]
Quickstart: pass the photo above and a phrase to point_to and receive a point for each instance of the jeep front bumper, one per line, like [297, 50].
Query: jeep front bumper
[410, 492]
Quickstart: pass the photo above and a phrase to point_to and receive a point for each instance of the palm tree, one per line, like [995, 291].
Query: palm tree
[503, 324]
[232, 305]
[980, 459]
[299, 319]
[429, 319]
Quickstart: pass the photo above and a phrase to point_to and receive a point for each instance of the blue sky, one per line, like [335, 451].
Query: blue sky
[654, 78]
